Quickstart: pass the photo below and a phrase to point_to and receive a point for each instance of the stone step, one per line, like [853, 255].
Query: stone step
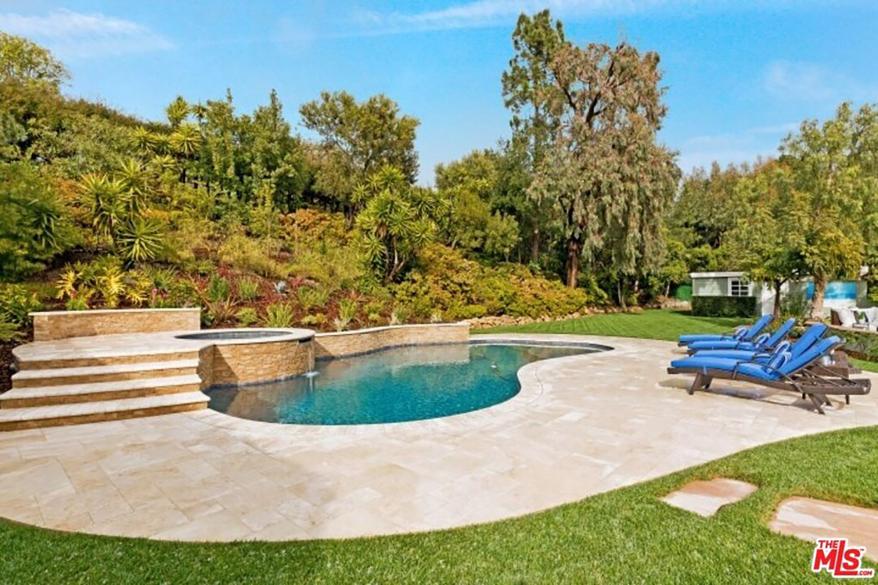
[87, 412]
[74, 393]
[105, 359]
[108, 373]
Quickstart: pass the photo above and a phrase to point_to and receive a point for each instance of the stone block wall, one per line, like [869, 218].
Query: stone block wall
[246, 363]
[366, 340]
[49, 325]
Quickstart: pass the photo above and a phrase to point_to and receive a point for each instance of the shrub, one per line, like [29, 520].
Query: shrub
[246, 316]
[347, 310]
[310, 296]
[279, 315]
[9, 331]
[249, 254]
[218, 289]
[16, 302]
[314, 320]
[724, 306]
[248, 289]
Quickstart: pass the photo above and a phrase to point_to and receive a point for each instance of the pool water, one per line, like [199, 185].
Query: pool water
[392, 385]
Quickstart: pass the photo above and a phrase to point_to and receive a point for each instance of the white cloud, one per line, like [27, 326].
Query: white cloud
[483, 13]
[73, 34]
[734, 147]
[788, 80]
[806, 81]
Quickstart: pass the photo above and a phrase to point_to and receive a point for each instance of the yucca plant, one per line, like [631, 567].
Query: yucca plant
[140, 239]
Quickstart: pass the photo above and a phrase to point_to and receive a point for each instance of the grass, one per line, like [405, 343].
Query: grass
[624, 536]
[657, 324]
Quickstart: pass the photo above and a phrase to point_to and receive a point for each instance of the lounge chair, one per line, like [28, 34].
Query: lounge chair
[802, 374]
[839, 365]
[808, 338]
[763, 342]
[742, 333]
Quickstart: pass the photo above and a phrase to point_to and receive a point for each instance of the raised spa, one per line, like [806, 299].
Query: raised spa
[221, 334]
[393, 385]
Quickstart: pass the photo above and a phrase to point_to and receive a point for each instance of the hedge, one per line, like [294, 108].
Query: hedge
[724, 306]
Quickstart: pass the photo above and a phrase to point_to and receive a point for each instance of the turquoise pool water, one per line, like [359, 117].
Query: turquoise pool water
[392, 385]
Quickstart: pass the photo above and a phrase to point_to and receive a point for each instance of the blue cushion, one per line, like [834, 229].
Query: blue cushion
[705, 363]
[702, 337]
[757, 371]
[722, 344]
[741, 355]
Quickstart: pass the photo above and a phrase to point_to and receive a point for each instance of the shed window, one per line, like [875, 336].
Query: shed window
[738, 287]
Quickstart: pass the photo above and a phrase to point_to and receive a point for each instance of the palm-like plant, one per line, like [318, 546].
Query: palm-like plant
[185, 140]
[108, 200]
[134, 176]
[141, 239]
[144, 140]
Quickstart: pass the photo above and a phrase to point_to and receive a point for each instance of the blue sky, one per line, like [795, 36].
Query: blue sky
[740, 74]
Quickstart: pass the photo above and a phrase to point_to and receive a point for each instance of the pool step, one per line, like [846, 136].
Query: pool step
[104, 373]
[106, 358]
[76, 393]
[104, 410]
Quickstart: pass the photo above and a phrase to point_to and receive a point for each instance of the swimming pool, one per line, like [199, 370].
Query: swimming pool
[393, 385]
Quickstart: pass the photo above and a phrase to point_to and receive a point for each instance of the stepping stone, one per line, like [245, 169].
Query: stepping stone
[811, 519]
[706, 497]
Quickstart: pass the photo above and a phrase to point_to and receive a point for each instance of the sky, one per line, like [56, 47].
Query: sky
[740, 74]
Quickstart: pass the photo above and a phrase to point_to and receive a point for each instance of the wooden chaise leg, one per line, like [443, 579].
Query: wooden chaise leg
[817, 403]
[700, 382]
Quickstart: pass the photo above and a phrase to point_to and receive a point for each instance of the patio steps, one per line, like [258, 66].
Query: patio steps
[13, 419]
[100, 388]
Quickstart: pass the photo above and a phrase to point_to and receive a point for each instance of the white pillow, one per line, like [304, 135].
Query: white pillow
[846, 316]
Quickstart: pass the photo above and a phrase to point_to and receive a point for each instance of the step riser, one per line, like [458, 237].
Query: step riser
[96, 396]
[100, 377]
[100, 417]
[105, 361]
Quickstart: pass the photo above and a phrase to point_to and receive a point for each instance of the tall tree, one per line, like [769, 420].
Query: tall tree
[834, 170]
[606, 176]
[527, 92]
[357, 140]
[23, 61]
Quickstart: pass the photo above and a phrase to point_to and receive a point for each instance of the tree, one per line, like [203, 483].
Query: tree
[766, 238]
[357, 139]
[834, 172]
[605, 175]
[23, 61]
[396, 222]
[527, 90]
[31, 222]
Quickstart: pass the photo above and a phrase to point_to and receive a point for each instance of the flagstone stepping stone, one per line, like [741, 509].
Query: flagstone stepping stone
[706, 497]
[810, 519]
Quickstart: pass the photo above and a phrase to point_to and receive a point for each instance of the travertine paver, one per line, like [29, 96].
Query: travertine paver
[580, 426]
[811, 519]
[705, 498]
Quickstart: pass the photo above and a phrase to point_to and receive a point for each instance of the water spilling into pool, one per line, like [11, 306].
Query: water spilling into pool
[392, 385]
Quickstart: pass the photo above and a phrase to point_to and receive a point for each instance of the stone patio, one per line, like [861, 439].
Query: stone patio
[580, 426]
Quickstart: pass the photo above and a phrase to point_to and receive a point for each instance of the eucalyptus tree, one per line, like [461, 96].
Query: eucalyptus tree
[606, 176]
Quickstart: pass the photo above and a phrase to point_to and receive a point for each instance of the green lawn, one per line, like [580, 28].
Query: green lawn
[624, 536]
[656, 324]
